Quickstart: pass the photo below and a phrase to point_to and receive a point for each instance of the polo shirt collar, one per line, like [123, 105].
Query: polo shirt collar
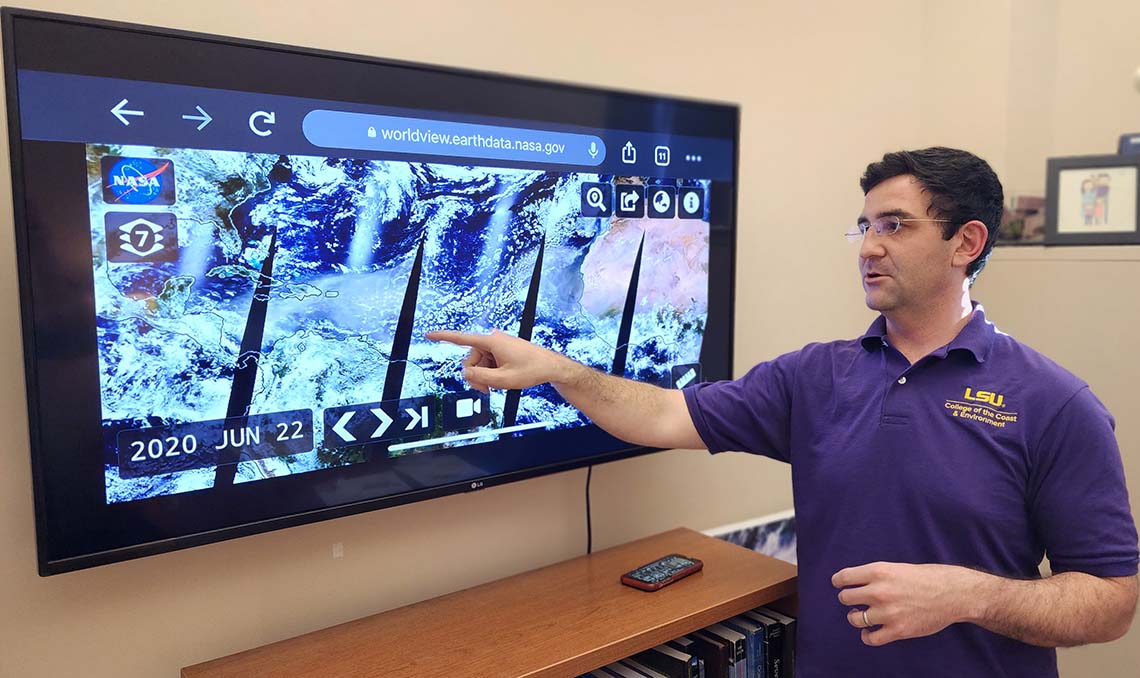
[975, 338]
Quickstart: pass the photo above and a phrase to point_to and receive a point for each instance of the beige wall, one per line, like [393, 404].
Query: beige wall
[1061, 84]
[825, 87]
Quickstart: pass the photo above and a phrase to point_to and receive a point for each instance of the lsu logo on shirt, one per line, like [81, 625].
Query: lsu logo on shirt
[995, 399]
[982, 406]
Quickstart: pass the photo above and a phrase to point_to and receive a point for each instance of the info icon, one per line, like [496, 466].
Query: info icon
[137, 181]
[597, 200]
[630, 200]
[662, 202]
[691, 203]
[141, 237]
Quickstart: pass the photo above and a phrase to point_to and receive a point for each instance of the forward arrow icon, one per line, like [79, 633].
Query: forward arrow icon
[385, 422]
[203, 117]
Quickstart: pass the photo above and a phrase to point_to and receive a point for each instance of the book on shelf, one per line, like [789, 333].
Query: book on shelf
[642, 668]
[789, 623]
[686, 644]
[754, 641]
[673, 663]
[739, 646]
[719, 655]
[773, 644]
[622, 671]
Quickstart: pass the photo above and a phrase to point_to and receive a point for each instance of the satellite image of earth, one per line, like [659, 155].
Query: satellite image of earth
[334, 243]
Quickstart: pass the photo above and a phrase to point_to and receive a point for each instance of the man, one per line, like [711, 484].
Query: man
[934, 460]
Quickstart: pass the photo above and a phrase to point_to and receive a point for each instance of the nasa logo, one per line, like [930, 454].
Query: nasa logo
[137, 181]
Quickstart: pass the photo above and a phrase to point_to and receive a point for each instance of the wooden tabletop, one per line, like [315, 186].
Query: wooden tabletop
[559, 620]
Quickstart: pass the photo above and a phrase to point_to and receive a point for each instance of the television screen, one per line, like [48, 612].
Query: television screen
[230, 253]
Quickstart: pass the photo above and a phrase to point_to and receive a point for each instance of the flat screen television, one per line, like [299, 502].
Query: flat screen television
[230, 251]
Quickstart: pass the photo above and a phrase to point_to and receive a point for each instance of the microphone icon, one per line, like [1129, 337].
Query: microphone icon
[593, 149]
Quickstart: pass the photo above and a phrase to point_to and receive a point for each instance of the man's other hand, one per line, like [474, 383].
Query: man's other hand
[893, 601]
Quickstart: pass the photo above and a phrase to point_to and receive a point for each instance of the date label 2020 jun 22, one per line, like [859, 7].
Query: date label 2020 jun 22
[181, 447]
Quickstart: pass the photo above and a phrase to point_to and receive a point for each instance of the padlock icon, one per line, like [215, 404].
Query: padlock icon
[371, 132]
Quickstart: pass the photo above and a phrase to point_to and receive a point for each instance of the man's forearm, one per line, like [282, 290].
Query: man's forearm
[638, 413]
[1064, 610]
[635, 412]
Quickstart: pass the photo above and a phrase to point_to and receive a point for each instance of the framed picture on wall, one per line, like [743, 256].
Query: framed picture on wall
[1023, 221]
[1092, 200]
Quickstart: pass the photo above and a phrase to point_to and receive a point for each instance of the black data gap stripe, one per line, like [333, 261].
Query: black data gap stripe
[245, 372]
[526, 329]
[402, 341]
[622, 352]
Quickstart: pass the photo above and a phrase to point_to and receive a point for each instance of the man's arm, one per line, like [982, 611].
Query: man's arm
[902, 600]
[1066, 609]
[638, 413]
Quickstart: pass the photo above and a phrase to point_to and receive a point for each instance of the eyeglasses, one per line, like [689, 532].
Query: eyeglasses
[883, 226]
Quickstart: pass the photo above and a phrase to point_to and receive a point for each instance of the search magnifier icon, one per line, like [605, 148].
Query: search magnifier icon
[595, 198]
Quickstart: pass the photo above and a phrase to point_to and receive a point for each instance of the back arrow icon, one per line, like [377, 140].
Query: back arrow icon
[341, 431]
[119, 112]
[204, 117]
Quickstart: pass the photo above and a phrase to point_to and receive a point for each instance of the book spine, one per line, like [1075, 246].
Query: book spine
[789, 624]
[751, 644]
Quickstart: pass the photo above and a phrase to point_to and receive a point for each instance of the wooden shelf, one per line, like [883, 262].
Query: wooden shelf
[560, 620]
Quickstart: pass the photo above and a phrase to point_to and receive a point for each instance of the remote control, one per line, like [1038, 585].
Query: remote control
[661, 572]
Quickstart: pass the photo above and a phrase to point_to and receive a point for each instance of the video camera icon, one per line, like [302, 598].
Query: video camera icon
[468, 407]
[466, 410]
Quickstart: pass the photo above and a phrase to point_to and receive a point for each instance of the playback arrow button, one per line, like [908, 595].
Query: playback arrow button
[419, 419]
[369, 423]
[385, 422]
[339, 427]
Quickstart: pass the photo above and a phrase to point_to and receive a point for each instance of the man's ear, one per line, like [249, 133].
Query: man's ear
[971, 241]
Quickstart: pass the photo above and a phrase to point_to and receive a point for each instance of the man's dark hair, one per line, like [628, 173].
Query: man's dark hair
[962, 187]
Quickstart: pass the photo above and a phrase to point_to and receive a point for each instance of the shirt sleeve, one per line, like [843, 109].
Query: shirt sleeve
[749, 414]
[1078, 498]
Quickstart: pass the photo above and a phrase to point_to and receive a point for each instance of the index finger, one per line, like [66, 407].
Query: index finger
[459, 338]
[852, 576]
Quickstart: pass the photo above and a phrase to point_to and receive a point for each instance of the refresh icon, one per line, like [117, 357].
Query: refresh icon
[265, 118]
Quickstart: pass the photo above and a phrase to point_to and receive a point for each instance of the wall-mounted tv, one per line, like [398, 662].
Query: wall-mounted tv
[229, 253]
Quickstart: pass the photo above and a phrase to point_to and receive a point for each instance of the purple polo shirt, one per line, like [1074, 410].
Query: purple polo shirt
[984, 454]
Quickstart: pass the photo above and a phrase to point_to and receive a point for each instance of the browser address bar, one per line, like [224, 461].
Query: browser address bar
[391, 134]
